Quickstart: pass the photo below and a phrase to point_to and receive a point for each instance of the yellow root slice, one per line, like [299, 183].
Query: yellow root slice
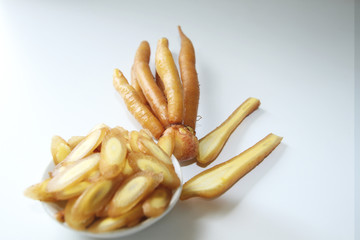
[59, 149]
[211, 145]
[143, 162]
[78, 224]
[67, 209]
[72, 191]
[60, 216]
[83, 149]
[157, 202]
[94, 199]
[128, 170]
[132, 191]
[123, 132]
[134, 137]
[152, 92]
[213, 182]
[38, 192]
[167, 142]
[133, 223]
[109, 224]
[133, 140]
[99, 126]
[93, 176]
[146, 133]
[103, 212]
[166, 68]
[149, 147]
[74, 141]
[113, 154]
[139, 110]
[73, 173]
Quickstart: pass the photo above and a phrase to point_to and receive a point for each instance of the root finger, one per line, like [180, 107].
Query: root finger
[211, 145]
[166, 68]
[189, 80]
[141, 112]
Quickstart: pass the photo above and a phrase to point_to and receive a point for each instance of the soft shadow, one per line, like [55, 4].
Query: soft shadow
[182, 221]
[176, 225]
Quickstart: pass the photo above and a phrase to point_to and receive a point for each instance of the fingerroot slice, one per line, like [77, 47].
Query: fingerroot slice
[215, 181]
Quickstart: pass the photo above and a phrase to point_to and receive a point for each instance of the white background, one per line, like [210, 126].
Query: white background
[297, 57]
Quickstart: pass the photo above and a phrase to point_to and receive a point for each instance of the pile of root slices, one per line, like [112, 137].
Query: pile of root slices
[107, 180]
[114, 178]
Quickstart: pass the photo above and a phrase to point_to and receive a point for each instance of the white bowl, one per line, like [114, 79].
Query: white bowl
[52, 209]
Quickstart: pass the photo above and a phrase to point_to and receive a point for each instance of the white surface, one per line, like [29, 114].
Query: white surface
[297, 57]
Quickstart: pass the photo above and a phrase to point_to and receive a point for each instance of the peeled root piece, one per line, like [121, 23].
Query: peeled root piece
[215, 181]
[112, 223]
[73, 173]
[132, 191]
[157, 202]
[211, 145]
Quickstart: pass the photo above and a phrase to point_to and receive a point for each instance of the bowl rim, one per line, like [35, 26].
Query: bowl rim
[52, 208]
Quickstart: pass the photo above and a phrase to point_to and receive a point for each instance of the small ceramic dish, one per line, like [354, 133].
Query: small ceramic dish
[52, 209]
